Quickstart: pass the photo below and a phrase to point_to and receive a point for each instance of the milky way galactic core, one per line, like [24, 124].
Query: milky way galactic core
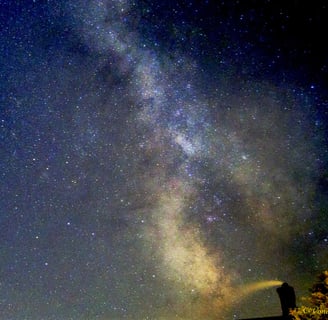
[160, 161]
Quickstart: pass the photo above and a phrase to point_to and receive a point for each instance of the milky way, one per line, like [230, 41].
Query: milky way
[140, 183]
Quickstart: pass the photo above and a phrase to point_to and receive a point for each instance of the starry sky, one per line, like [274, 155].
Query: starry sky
[161, 160]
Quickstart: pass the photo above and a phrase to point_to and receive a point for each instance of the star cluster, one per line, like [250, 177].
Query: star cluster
[159, 160]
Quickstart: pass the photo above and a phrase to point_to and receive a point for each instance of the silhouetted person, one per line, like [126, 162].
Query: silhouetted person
[287, 298]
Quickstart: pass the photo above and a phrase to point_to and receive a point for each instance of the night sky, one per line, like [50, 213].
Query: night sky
[161, 160]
